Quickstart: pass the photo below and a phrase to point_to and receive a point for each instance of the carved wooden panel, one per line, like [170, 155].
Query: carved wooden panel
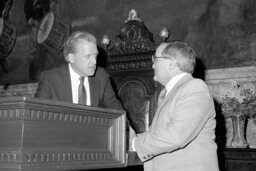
[135, 87]
[136, 99]
[48, 135]
[130, 66]
[134, 37]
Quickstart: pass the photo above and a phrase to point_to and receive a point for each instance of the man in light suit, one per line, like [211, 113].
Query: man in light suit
[62, 83]
[182, 134]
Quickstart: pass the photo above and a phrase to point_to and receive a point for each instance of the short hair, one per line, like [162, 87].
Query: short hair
[73, 40]
[182, 53]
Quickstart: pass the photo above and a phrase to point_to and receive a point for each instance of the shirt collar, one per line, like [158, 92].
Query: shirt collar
[173, 81]
[73, 75]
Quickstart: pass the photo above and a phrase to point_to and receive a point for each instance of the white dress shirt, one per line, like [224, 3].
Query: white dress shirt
[173, 81]
[75, 84]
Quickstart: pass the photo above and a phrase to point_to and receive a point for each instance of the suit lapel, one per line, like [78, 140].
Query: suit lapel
[65, 88]
[171, 95]
[173, 91]
[94, 90]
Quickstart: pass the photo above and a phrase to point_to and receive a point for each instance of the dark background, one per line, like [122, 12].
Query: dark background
[223, 32]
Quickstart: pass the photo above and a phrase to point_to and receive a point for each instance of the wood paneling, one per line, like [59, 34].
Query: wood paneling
[48, 135]
[240, 159]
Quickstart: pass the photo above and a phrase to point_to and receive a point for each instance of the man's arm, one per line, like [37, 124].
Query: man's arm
[109, 99]
[43, 89]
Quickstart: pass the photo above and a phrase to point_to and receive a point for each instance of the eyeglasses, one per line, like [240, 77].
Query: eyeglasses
[155, 57]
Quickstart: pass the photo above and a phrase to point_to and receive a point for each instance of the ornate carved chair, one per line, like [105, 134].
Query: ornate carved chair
[129, 64]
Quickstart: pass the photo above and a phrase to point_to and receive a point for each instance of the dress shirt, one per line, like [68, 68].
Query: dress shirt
[173, 81]
[75, 84]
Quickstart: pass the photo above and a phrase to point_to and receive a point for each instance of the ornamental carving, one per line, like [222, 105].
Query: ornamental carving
[129, 63]
[134, 37]
[66, 157]
[7, 39]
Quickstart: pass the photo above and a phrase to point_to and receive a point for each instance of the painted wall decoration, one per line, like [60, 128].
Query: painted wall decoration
[223, 32]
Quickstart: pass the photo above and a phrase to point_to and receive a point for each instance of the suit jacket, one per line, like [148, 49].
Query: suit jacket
[182, 134]
[55, 84]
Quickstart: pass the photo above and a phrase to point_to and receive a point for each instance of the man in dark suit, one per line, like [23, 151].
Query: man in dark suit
[63, 83]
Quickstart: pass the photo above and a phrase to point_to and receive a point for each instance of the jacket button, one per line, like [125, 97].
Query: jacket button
[144, 157]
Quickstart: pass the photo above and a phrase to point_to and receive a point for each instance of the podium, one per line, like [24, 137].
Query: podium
[40, 135]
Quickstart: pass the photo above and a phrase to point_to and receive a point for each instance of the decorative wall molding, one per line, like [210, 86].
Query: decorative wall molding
[226, 74]
[220, 81]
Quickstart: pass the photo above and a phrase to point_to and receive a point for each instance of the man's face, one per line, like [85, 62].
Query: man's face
[83, 60]
[161, 66]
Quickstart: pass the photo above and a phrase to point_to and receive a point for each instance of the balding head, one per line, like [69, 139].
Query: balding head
[182, 53]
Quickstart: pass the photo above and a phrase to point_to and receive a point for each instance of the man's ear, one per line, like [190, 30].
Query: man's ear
[71, 58]
[172, 64]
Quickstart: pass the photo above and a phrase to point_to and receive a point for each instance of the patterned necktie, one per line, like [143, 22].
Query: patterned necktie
[162, 95]
[82, 97]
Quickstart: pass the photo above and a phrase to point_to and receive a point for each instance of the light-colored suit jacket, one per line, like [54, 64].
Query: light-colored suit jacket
[182, 134]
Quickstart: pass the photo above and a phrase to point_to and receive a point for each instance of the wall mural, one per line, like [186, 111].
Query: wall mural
[223, 32]
[48, 32]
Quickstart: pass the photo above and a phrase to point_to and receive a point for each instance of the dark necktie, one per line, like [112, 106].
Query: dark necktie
[82, 92]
